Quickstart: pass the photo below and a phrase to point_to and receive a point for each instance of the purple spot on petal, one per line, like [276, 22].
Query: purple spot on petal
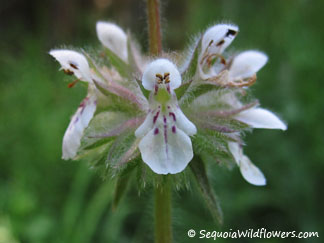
[173, 116]
[82, 109]
[168, 88]
[156, 131]
[156, 117]
[174, 129]
[166, 136]
[76, 120]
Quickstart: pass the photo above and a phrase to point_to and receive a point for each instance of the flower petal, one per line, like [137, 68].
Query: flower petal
[74, 63]
[183, 123]
[166, 151]
[260, 118]
[251, 173]
[79, 121]
[246, 64]
[218, 37]
[145, 127]
[114, 38]
[236, 151]
[161, 67]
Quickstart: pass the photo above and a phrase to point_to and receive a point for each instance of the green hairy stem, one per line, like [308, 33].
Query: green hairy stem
[154, 28]
[163, 227]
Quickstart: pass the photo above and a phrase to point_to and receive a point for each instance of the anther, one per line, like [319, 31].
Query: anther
[74, 65]
[220, 43]
[70, 85]
[231, 32]
[68, 71]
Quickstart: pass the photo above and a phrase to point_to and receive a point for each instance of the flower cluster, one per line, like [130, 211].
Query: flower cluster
[165, 112]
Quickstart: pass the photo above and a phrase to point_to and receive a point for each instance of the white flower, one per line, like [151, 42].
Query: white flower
[249, 171]
[79, 121]
[75, 63]
[239, 72]
[246, 64]
[214, 41]
[114, 38]
[165, 143]
[218, 37]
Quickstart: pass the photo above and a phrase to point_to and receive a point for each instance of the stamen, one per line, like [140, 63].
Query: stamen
[231, 32]
[74, 65]
[68, 71]
[70, 85]
[220, 43]
[159, 76]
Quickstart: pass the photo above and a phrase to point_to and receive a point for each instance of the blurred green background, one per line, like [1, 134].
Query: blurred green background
[45, 199]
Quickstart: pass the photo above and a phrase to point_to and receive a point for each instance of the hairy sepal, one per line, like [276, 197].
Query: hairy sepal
[198, 168]
[123, 68]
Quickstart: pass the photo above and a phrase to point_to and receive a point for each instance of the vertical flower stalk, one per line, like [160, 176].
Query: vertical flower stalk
[154, 28]
[163, 228]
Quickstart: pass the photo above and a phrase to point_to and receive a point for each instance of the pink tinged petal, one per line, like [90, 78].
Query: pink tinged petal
[249, 171]
[183, 123]
[260, 118]
[129, 124]
[74, 132]
[114, 38]
[161, 66]
[130, 154]
[246, 64]
[121, 91]
[74, 62]
[166, 152]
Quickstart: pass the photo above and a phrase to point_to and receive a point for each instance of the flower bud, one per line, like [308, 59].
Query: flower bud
[114, 38]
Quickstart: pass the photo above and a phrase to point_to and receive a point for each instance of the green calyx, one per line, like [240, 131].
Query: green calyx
[162, 96]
